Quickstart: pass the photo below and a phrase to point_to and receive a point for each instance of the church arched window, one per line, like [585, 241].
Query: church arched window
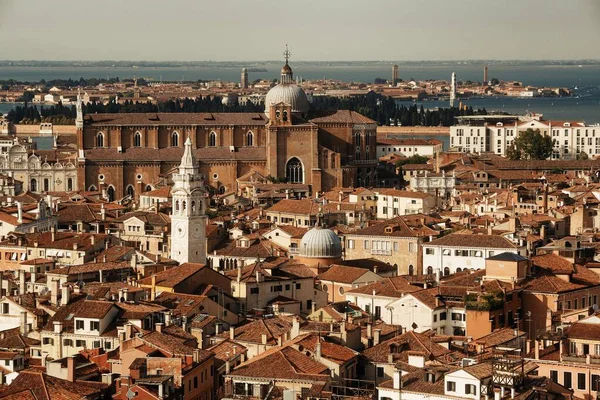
[294, 171]
[33, 185]
[285, 115]
[357, 140]
[177, 205]
[357, 153]
[69, 184]
[100, 139]
[183, 206]
[249, 138]
[212, 139]
[137, 139]
[193, 206]
[175, 139]
[130, 191]
[110, 192]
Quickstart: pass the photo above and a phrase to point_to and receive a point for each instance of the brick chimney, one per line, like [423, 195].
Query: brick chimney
[71, 369]
[159, 327]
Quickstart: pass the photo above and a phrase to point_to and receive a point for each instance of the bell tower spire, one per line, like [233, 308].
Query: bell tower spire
[79, 119]
[188, 219]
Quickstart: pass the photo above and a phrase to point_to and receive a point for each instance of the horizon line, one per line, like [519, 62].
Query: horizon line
[269, 61]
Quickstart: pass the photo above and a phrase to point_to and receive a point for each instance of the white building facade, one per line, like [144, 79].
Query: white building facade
[392, 203]
[457, 252]
[495, 133]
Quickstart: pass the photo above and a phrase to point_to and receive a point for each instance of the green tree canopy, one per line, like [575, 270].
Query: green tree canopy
[530, 145]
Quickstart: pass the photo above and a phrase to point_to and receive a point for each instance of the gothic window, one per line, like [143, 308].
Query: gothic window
[176, 205]
[100, 139]
[357, 140]
[33, 185]
[111, 193]
[193, 206]
[175, 139]
[183, 206]
[332, 160]
[285, 115]
[357, 153]
[69, 184]
[293, 171]
[221, 189]
[249, 139]
[137, 139]
[130, 191]
[212, 139]
[46, 184]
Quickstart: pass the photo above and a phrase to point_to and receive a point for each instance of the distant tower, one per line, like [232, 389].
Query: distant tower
[244, 80]
[394, 74]
[79, 119]
[188, 222]
[453, 89]
[485, 75]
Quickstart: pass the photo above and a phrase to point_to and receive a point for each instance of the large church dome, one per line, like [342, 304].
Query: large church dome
[320, 243]
[286, 91]
[290, 94]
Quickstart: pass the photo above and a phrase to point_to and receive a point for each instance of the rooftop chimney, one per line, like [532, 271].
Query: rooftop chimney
[19, 212]
[71, 369]
[24, 330]
[66, 296]
[159, 327]
[54, 288]
[22, 288]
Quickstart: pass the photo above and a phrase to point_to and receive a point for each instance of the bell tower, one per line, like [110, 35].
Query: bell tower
[188, 219]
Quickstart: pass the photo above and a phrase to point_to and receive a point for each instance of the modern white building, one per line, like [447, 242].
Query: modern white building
[456, 252]
[495, 133]
[409, 147]
[393, 202]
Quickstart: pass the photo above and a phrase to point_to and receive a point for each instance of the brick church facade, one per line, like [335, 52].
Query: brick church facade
[127, 154]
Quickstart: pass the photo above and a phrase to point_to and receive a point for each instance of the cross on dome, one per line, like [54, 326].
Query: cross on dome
[287, 54]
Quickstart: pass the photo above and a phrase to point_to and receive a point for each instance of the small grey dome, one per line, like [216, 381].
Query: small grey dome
[288, 93]
[320, 243]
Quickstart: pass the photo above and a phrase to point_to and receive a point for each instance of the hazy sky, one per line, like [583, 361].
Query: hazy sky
[314, 29]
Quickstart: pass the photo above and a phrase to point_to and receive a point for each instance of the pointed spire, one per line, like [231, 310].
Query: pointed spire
[188, 160]
[79, 119]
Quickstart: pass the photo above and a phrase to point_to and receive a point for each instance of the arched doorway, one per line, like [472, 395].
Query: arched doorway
[411, 270]
[110, 192]
[294, 172]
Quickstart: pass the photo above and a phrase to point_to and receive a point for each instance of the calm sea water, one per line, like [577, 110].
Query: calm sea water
[585, 106]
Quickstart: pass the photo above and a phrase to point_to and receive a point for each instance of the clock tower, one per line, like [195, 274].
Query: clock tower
[188, 219]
